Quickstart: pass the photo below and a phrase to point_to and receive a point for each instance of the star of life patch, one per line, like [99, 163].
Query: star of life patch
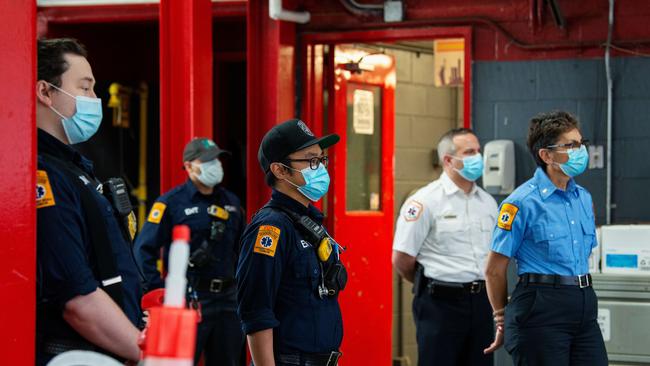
[156, 213]
[44, 195]
[507, 216]
[413, 211]
[267, 240]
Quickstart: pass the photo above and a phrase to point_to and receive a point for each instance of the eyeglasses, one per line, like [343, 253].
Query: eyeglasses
[315, 161]
[570, 145]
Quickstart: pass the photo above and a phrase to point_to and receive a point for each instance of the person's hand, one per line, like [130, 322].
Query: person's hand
[499, 316]
[498, 340]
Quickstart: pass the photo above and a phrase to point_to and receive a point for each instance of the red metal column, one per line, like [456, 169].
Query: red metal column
[18, 193]
[270, 83]
[185, 82]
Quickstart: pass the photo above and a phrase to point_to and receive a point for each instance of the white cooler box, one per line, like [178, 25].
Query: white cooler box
[625, 249]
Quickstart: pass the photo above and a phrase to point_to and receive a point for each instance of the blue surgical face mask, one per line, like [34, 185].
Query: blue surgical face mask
[472, 167]
[211, 172]
[317, 182]
[577, 163]
[86, 120]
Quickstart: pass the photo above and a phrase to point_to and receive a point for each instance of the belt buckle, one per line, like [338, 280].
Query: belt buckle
[216, 285]
[334, 358]
[586, 281]
[475, 287]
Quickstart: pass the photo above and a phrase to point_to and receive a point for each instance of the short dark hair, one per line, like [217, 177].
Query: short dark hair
[446, 142]
[545, 129]
[51, 64]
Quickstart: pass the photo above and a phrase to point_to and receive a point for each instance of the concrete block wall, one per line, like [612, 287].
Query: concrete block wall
[508, 94]
[422, 114]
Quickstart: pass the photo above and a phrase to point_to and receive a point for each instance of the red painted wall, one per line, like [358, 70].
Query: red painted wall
[510, 29]
[17, 182]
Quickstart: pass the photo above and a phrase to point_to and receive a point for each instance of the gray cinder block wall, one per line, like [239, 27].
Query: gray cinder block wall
[507, 94]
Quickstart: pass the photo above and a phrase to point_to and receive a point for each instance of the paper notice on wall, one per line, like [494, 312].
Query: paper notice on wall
[449, 61]
[604, 321]
[363, 112]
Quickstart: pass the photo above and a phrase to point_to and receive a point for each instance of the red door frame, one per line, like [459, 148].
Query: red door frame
[308, 40]
[355, 311]
[18, 150]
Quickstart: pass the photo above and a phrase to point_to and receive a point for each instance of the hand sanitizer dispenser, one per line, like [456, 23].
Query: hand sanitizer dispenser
[499, 167]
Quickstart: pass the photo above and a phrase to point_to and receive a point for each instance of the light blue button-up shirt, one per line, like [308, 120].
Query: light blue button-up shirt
[545, 229]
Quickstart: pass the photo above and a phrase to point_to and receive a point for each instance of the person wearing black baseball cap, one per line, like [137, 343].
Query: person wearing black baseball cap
[289, 273]
[216, 222]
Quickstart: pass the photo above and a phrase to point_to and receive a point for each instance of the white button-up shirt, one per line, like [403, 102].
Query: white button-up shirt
[447, 230]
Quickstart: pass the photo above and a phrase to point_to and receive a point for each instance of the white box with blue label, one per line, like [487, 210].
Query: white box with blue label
[625, 249]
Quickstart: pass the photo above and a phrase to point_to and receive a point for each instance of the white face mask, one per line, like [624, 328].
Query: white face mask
[211, 172]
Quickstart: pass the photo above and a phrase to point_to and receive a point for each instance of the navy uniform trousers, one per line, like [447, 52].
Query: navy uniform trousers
[554, 325]
[453, 329]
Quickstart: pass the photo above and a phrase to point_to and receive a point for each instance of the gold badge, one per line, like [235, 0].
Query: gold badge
[267, 240]
[157, 212]
[44, 196]
[507, 216]
[133, 225]
[218, 212]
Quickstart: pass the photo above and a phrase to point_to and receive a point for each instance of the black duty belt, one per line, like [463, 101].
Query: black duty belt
[310, 359]
[214, 285]
[454, 288]
[581, 281]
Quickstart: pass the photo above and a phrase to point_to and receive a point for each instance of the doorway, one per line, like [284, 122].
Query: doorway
[378, 91]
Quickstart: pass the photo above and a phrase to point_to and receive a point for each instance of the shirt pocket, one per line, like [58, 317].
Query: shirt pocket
[589, 236]
[306, 271]
[487, 227]
[447, 230]
[554, 243]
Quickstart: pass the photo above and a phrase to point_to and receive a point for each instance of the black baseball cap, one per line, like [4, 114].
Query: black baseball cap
[289, 137]
[202, 148]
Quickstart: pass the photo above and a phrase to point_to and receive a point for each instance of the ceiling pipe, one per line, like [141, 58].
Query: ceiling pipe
[276, 12]
[363, 10]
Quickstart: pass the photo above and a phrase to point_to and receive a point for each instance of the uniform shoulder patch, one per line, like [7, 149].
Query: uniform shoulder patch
[413, 210]
[156, 213]
[44, 195]
[267, 240]
[507, 216]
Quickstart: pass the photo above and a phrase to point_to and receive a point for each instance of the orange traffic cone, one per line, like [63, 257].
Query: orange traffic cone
[170, 336]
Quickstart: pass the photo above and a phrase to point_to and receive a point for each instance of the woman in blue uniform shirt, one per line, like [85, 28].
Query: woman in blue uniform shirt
[547, 225]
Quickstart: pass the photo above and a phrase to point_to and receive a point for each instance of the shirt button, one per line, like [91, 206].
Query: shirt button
[315, 271]
[573, 222]
[566, 203]
[575, 242]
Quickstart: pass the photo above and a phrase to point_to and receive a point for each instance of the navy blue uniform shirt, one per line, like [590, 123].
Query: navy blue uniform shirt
[547, 230]
[277, 283]
[65, 266]
[184, 204]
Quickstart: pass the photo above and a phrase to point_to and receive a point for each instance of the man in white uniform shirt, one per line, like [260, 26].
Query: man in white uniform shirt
[441, 243]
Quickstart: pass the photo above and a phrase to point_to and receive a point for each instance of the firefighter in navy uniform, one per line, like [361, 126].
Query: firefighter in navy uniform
[215, 218]
[289, 272]
[88, 287]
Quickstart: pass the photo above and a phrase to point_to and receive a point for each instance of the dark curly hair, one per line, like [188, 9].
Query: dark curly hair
[51, 64]
[545, 129]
